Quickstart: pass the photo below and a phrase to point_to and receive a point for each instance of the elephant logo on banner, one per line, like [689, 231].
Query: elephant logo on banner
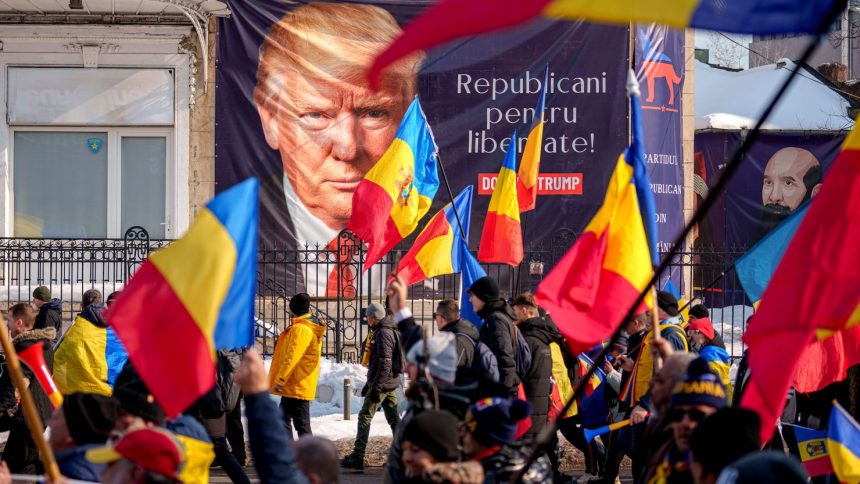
[657, 66]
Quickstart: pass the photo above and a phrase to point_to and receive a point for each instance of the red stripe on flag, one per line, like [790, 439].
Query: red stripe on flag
[586, 301]
[501, 240]
[818, 467]
[163, 341]
[409, 269]
[526, 196]
[370, 204]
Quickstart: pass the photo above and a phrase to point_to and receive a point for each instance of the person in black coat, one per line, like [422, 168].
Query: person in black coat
[21, 453]
[538, 333]
[50, 310]
[497, 330]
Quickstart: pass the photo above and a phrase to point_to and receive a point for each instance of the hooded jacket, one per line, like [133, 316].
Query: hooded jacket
[89, 356]
[50, 316]
[539, 333]
[21, 453]
[386, 357]
[296, 362]
[497, 332]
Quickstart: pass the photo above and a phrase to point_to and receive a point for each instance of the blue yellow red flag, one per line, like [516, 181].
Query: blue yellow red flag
[591, 288]
[843, 443]
[449, 20]
[527, 177]
[398, 191]
[592, 405]
[502, 236]
[437, 250]
[203, 286]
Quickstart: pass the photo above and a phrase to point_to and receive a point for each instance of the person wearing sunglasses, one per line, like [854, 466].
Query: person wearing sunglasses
[700, 394]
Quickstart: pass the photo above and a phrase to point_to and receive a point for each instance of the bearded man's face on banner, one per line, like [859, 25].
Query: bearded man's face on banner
[315, 105]
[791, 176]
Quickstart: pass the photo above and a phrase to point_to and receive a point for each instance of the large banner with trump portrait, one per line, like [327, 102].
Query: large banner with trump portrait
[294, 108]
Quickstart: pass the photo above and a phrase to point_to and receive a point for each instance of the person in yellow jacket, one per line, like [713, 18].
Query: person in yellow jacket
[296, 364]
[89, 356]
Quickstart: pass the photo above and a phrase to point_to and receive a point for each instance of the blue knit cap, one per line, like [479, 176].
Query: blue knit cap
[493, 421]
[700, 387]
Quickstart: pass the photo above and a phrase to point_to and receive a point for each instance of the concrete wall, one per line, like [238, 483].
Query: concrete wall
[201, 165]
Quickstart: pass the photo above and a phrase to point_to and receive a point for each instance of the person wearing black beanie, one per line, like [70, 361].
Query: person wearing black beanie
[497, 331]
[430, 437]
[721, 439]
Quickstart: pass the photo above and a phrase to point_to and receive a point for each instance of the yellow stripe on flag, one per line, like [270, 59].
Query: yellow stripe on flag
[399, 160]
[199, 268]
[504, 199]
[627, 248]
[531, 156]
[435, 257]
[674, 13]
[845, 463]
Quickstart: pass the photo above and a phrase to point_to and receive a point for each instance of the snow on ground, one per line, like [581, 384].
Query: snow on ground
[730, 322]
[327, 410]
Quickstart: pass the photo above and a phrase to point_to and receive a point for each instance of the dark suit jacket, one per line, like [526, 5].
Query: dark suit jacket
[280, 268]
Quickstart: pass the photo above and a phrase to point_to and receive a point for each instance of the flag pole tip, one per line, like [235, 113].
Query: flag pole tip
[632, 84]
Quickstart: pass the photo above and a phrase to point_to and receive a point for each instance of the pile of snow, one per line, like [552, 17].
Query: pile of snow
[730, 322]
[327, 409]
[735, 100]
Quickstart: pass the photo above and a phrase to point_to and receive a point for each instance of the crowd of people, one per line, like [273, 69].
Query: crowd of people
[479, 397]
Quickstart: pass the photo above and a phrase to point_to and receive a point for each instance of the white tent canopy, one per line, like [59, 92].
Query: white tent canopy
[730, 100]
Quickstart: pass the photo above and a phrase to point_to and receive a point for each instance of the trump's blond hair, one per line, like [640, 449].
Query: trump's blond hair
[332, 42]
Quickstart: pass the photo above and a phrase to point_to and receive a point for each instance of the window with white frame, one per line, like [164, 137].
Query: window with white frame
[90, 183]
[91, 151]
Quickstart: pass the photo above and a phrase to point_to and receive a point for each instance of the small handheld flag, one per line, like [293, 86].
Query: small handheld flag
[470, 272]
[812, 448]
[437, 250]
[200, 291]
[502, 237]
[398, 191]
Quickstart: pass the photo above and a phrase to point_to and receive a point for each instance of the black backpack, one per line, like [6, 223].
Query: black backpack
[522, 353]
[484, 362]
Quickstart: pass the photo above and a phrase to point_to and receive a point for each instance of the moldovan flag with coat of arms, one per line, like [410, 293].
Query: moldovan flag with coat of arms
[502, 237]
[590, 290]
[439, 248]
[527, 177]
[192, 298]
[805, 332]
[397, 192]
[448, 20]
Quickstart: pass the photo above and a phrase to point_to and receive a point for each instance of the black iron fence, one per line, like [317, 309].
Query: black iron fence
[334, 277]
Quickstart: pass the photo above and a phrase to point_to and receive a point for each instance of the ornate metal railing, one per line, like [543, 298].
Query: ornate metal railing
[335, 277]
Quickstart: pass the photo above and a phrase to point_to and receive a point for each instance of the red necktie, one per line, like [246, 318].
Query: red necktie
[342, 271]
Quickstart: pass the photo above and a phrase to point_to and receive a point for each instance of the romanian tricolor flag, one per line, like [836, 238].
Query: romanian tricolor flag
[591, 289]
[502, 237]
[592, 405]
[812, 448]
[843, 443]
[191, 298]
[527, 177]
[448, 20]
[397, 192]
[806, 331]
[439, 248]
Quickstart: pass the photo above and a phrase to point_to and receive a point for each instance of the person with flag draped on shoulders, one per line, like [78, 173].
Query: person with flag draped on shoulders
[89, 356]
[707, 343]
